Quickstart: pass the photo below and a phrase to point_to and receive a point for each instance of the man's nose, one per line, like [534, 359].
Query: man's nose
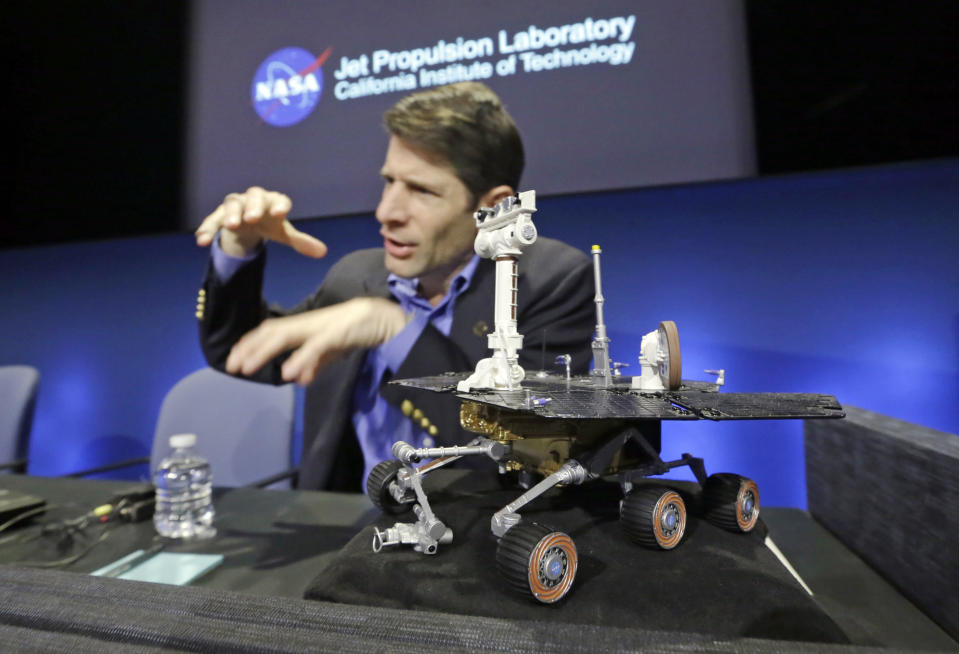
[393, 206]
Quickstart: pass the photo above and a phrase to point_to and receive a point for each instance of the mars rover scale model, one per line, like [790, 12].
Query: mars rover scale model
[573, 429]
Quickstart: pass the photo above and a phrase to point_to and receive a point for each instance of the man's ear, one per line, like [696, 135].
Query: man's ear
[495, 194]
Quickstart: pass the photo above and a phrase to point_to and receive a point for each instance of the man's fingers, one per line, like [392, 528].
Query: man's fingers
[254, 215]
[233, 206]
[309, 358]
[273, 337]
[278, 204]
[254, 205]
[316, 337]
[258, 346]
[209, 227]
[252, 356]
[303, 242]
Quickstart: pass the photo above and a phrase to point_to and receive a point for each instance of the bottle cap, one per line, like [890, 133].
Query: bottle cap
[182, 440]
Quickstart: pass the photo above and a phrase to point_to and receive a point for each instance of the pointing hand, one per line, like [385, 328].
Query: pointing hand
[244, 220]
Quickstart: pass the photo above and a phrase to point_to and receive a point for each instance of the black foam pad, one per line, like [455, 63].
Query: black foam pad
[714, 582]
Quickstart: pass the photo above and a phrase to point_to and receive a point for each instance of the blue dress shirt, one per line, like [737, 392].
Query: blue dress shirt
[379, 424]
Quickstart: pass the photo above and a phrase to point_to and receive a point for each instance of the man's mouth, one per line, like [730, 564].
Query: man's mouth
[398, 249]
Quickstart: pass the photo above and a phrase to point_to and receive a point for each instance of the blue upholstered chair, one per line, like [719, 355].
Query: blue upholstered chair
[18, 398]
[244, 429]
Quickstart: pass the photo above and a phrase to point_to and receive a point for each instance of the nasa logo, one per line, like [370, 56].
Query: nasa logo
[287, 86]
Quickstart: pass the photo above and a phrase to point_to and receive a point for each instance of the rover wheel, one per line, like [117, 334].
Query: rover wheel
[654, 517]
[378, 487]
[731, 502]
[538, 561]
[671, 370]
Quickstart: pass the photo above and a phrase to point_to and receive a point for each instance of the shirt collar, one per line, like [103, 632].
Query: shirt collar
[406, 290]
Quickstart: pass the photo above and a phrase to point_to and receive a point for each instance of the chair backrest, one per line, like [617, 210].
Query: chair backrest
[243, 428]
[18, 399]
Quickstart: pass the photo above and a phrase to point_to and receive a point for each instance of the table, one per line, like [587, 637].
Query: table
[273, 541]
[276, 542]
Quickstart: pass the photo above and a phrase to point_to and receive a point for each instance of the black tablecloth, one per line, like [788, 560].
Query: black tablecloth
[716, 582]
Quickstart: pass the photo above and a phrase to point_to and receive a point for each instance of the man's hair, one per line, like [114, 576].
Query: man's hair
[466, 125]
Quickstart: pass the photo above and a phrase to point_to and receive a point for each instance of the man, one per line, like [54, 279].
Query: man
[419, 305]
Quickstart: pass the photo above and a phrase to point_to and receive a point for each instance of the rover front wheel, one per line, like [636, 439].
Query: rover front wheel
[537, 560]
[378, 487]
[654, 517]
[731, 501]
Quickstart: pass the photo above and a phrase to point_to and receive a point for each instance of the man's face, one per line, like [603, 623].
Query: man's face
[425, 213]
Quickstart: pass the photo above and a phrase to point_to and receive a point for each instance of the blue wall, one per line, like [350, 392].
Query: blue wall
[844, 282]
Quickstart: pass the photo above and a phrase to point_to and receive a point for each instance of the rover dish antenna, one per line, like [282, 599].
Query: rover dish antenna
[671, 368]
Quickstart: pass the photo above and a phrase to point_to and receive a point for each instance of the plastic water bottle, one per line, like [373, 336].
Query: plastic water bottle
[184, 492]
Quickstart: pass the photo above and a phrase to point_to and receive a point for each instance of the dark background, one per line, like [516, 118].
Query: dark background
[95, 94]
[839, 84]
[95, 118]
